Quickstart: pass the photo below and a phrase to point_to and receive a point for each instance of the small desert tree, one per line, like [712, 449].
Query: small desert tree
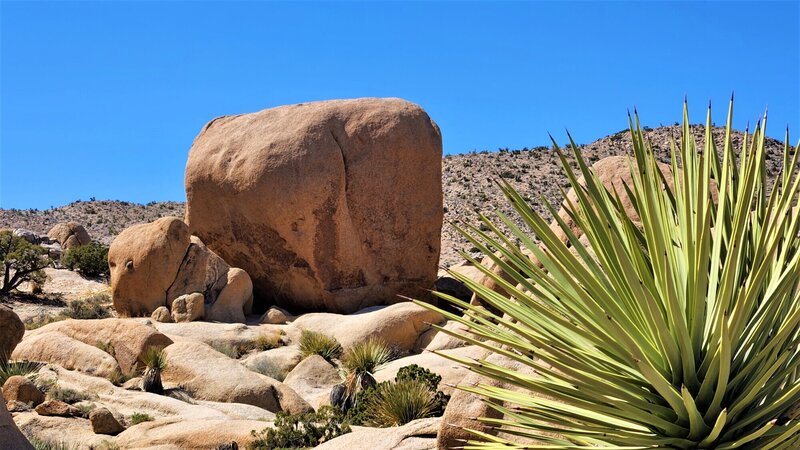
[155, 360]
[21, 261]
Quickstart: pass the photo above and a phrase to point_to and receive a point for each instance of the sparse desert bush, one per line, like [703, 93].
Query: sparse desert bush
[266, 342]
[678, 330]
[46, 444]
[27, 369]
[154, 360]
[67, 395]
[93, 307]
[413, 394]
[301, 430]
[231, 351]
[313, 343]
[137, 418]
[41, 320]
[90, 259]
[269, 368]
[21, 261]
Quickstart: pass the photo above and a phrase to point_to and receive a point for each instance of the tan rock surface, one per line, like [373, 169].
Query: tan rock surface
[104, 422]
[416, 435]
[329, 206]
[161, 314]
[129, 338]
[275, 363]
[188, 308]
[235, 300]
[399, 325]
[215, 334]
[144, 260]
[58, 348]
[209, 375]
[69, 234]
[312, 379]
[178, 434]
[21, 389]
[11, 331]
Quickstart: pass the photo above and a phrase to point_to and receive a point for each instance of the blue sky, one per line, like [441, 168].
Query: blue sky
[103, 99]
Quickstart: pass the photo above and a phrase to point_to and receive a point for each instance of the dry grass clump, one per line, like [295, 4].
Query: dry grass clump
[313, 343]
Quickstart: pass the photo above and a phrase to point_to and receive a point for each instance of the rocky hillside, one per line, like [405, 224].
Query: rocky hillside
[468, 182]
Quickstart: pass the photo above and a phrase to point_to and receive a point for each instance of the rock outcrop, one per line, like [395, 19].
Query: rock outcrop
[11, 331]
[21, 389]
[69, 235]
[155, 263]
[329, 206]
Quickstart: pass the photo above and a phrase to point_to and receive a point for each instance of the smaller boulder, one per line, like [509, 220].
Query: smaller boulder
[188, 308]
[11, 331]
[313, 379]
[57, 408]
[69, 235]
[104, 422]
[235, 300]
[275, 316]
[21, 389]
[161, 314]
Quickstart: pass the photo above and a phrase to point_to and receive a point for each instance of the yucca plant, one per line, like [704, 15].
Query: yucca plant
[395, 404]
[314, 343]
[155, 360]
[678, 331]
[358, 365]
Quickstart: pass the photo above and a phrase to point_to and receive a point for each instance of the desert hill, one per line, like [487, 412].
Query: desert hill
[468, 182]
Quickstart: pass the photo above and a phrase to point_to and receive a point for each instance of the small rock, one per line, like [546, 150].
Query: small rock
[57, 408]
[188, 308]
[134, 384]
[161, 314]
[104, 422]
[275, 316]
[20, 389]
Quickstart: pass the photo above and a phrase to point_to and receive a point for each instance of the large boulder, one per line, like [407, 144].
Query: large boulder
[155, 263]
[179, 433]
[399, 325]
[21, 389]
[329, 206]
[129, 339]
[57, 348]
[69, 235]
[209, 375]
[416, 435]
[10, 436]
[11, 331]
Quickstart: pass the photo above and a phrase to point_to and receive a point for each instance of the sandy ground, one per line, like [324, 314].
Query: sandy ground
[62, 287]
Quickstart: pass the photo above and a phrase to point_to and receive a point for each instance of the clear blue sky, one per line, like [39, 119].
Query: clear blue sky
[103, 99]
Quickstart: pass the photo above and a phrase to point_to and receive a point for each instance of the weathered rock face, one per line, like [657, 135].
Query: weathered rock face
[104, 422]
[10, 436]
[329, 206]
[153, 264]
[11, 331]
[20, 389]
[69, 234]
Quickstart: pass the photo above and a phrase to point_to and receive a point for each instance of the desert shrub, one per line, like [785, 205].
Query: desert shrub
[90, 259]
[382, 405]
[46, 444]
[67, 395]
[21, 261]
[394, 404]
[41, 320]
[269, 368]
[27, 369]
[266, 342]
[313, 343]
[301, 430]
[118, 378]
[93, 307]
[679, 330]
[366, 356]
[231, 351]
[137, 418]
[154, 360]
[85, 408]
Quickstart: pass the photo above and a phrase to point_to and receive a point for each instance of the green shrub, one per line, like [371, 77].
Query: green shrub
[90, 259]
[266, 342]
[27, 369]
[269, 368]
[300, 430]
[383, 405]
[67, 395]
[137, 418]
[678, 330]
[154, 360]
[93, 307]
[313, 343]
[21, 261]
[231, 351]
[394, 404]
[366, 356]
[46, 444]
